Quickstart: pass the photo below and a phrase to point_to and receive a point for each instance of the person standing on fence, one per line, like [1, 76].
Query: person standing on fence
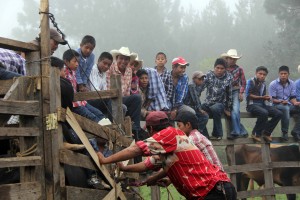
[238, 89]
[283, 93]
[218, 84]
[258, 105]
[184, 164]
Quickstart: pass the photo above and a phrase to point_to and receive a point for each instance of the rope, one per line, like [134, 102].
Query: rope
[27, 152]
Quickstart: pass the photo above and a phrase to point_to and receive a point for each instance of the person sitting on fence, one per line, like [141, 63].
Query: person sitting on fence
[152, 91]
[178, 159]
[82, 108]
[135, 66]
[218, 84]
[133, 102]
[86, 62]
[55, 40]
[188, 123]
[13, 61]
[257, 105]
[283, 93]
[238, 89]
[193, 100]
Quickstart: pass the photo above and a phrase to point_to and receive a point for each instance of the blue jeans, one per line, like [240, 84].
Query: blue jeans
[262, 112]
[237, 127]
[5, 75]
[202, 121]
[286, 111]
[215, 111]
[89, 112]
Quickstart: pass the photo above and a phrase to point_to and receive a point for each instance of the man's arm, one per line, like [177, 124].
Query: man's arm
[125, 154]
[151, 180]
[139, 167]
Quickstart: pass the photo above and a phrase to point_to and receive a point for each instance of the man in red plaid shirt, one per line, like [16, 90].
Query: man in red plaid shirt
[184, 164]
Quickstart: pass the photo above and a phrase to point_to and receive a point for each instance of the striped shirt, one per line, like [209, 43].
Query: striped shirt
[186, 166]
[70, 75]
[206, 147]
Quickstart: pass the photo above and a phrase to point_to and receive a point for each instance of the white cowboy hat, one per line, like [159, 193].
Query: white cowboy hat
[232, 53]
[138, 60]
[123, 51]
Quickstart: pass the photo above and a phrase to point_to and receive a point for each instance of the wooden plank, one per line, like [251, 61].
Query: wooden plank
[5, 85]
[104, 94]
[24, 191]
[17, 45]
[117, 110]
[13, 91]
[244, 168]
[95, 129]
[76, 159]
[28, 108]
[76, 193]
[269, 191]
[73, 123]
[268, 175]
[20, 161]
[19, 132]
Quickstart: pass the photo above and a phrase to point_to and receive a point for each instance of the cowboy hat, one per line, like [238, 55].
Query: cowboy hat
[232, 53]
[299, 68]
[140, 62]
[123, 51]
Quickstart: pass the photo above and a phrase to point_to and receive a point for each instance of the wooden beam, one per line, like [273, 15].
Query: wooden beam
[95, 129]
[28, 108]
[5, 85]
[117, 109]
[104, 94]
[20, 161]
[24, 191]
[17, 45]
[19, 132]
[76, 159]
[269, 191]
[76, 193]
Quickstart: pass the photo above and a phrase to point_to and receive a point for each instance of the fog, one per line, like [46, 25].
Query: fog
[262, 31]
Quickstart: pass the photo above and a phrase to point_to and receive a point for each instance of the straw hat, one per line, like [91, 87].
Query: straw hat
[123, 51]
[232, 53]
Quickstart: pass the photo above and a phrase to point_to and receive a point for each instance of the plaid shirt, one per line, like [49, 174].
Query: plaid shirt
[257, 88]
[239, 80]
[70, 75]
[188, 169]
[12, 61]
[206, 147]
[180, 91]
[126, 78]
[193, 96]
[156, 91]
[219, 89]
[167, 80]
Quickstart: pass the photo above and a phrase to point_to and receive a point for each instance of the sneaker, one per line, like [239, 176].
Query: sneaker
[217, 138]
[267, 138]
[97, 183]
[284, 137]
[256, 138]
[296, 136]
[232, 137]
[104, 122]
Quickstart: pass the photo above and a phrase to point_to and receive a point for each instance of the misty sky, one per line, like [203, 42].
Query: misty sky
[8, 15]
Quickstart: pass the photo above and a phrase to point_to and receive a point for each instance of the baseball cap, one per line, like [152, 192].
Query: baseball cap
[57, 37]
[180, 61]
[198, 74]
[156, 118]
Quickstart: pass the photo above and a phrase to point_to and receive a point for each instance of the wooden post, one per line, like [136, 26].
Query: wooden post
[155, 192]
[268, 175]
[117, 111]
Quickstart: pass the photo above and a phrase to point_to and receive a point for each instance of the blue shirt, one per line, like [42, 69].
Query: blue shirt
[282, 92]
[180, 91]
[85, 67]
[297, 85]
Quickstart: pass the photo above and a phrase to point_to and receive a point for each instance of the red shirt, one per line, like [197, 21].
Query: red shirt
[188, 169]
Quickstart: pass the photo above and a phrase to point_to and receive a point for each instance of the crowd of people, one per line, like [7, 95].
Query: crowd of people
[164, 97]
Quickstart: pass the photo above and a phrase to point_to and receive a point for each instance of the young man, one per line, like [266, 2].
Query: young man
[238, 89]
[188, 123]
[218, 96]
[283, 93]
[179, 159]
[12, 61]
[257, 106]
[193, 100]
[86, 62]
[152, 91]
[98, 82]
